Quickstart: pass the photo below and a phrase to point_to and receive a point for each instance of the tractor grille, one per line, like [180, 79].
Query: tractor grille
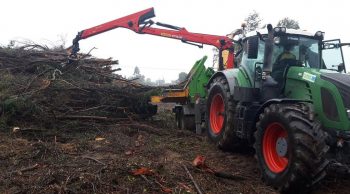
[342, 82]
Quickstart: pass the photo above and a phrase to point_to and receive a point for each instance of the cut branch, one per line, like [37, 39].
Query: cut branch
[192, 179]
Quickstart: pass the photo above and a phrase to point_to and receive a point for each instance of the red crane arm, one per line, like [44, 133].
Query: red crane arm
[132, 22]
[220, 42]
[139, 22]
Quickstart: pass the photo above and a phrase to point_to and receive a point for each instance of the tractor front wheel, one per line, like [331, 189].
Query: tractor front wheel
[290, 148]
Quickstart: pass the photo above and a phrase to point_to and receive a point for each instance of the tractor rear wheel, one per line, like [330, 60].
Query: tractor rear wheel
[290, 148]
[219, 117]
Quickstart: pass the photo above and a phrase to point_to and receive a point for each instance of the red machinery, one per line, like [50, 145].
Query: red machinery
[140, 23]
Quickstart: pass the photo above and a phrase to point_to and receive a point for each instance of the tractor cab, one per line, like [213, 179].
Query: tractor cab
[268, 65]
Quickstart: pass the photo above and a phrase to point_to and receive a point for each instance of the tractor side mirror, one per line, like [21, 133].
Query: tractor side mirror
[252, 47]
[341, 67]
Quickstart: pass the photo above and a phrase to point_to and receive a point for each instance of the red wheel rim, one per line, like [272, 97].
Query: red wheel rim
[217, 109]
[273, 133]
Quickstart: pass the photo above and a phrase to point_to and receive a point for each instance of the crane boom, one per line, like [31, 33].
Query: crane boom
[140, 23]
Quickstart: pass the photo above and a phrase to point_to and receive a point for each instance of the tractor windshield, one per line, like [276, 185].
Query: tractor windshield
[305, 51]
[289, 50]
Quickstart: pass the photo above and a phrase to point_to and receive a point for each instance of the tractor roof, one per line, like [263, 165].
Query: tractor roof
[288, 31]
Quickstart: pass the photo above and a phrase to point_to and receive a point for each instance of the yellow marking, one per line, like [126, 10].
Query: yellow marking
[165, 34]
[170, 94]
[156, 99]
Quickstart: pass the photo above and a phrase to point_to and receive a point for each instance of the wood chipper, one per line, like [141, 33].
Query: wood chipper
[189, 96]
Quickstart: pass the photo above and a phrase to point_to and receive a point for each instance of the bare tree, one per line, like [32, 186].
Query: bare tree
[137, 75]
[288, 23]
[253, 21]
[136, 71]
[182, 77]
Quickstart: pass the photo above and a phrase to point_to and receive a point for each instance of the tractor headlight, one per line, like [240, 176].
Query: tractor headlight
[279, 30]
[348, 112]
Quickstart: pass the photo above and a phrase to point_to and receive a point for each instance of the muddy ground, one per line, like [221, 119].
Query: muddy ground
[130, 157]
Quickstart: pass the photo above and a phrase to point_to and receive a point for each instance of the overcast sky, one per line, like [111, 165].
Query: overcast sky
[50, 22]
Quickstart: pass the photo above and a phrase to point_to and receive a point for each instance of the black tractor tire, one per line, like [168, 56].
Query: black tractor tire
[220, 114]
[290, 148]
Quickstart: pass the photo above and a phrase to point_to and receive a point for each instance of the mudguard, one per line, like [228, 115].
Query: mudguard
[230, 75]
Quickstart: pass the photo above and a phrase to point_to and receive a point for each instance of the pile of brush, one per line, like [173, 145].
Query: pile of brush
[39, 85]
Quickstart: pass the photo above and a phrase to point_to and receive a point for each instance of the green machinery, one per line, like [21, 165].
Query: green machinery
[283, 92]
[187, 94]
[294, 111]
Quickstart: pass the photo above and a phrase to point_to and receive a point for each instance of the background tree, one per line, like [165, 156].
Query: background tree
[288, 23]
[182, 77]
[138, 76]
[160, 82]
[253, 21]
[148, 81]
[136, 71]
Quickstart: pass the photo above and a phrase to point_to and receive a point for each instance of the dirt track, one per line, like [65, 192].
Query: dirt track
[103, 159]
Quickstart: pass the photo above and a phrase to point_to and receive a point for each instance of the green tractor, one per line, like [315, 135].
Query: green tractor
[289, 98]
